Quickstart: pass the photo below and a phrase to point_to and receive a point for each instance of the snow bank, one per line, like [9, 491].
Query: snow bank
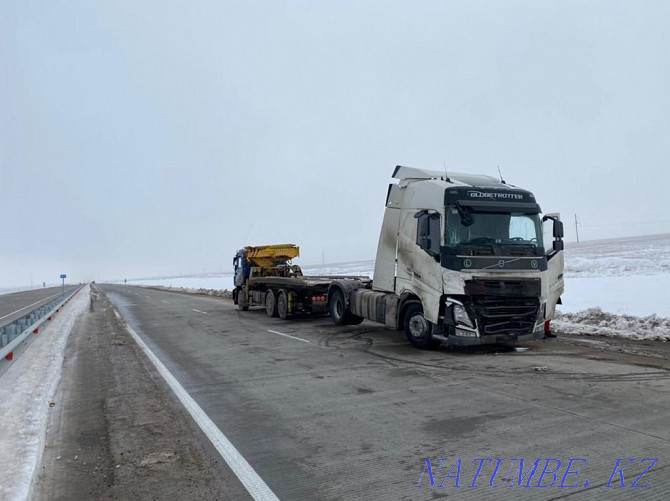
[25, 392]
[596, 322]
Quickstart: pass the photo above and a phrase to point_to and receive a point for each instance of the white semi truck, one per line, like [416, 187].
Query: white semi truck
[461, 260]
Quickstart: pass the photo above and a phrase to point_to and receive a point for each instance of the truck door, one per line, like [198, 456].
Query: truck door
[238, 264]
[552, 229]
[419, 269]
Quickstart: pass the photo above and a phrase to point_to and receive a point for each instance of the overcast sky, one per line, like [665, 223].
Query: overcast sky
[143, 138]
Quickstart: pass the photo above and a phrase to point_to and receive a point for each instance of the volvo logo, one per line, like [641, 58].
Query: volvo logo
[501, 263]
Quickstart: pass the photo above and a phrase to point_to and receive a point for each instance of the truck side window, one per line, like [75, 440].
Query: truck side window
[428, 232]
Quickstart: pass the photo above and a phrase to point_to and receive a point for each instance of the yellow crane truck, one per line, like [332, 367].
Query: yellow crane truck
[265, 276]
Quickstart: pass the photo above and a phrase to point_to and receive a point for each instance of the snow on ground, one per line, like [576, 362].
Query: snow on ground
[617, 287]
[649, 255]
[595, 322]
[25, 392]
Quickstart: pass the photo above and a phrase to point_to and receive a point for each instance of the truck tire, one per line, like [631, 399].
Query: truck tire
[242, 300]
[339, 312]
[337, 307]
[282, 305]
[418, 330]
[271, 304]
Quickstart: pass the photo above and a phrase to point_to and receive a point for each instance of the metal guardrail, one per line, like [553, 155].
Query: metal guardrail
[14, 333]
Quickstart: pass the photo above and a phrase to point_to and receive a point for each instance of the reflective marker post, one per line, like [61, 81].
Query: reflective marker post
[63, 277]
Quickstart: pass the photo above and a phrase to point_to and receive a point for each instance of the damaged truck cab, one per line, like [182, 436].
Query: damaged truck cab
[462, 259]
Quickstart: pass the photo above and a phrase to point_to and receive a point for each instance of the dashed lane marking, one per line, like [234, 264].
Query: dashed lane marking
[203, 312]
[288, 335]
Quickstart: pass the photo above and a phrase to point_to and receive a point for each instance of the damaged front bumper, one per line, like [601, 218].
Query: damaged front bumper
[474, 321]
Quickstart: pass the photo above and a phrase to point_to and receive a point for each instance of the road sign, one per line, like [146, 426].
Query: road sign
[63, 275]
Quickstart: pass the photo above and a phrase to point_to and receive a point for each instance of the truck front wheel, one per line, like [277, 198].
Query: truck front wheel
[418, 330]
[242, 299]
[271, 304]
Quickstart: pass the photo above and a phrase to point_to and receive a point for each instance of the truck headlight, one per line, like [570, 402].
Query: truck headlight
[461, 316]
[464, 333]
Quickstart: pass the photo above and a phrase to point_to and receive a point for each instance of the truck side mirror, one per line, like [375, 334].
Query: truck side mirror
[558, 245]
[558, 229]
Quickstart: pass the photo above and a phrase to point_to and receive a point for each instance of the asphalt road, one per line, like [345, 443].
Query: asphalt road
[17, 304]
[325, 412]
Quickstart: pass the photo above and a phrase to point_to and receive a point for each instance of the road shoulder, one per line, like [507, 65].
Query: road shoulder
[117, 432]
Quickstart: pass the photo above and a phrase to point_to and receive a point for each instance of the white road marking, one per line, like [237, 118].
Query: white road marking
[21, 309]
[292, 337]
[147, 297]
[164, 301]
[203, 312]
[254, 484]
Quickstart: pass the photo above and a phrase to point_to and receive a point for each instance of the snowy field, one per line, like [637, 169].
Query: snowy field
[612, 287]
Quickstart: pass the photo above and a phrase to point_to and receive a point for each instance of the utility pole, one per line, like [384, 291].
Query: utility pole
[577, 228]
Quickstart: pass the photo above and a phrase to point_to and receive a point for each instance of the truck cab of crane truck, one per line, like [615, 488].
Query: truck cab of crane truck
[242, 270]
[468, 252]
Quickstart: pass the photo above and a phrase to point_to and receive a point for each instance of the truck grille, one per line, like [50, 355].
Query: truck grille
[505, 316]
[521, 287]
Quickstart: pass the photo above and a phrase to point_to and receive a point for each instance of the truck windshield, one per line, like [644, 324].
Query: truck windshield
[493, 228]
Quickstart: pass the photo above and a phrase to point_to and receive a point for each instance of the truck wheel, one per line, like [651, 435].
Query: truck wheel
[339, 312]
[242, 300]
[338, 308]
[282, 305]
[271, 304]
[418, 330]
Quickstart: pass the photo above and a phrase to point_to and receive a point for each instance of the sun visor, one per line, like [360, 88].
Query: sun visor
[501, 199]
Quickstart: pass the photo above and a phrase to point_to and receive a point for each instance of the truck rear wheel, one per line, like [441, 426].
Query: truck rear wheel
[282, 305]
[338, 308]
[418, 330]
[271, 304]
[339, 312]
